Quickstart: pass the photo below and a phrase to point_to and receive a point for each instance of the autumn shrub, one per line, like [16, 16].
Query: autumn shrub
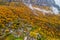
[22, 18]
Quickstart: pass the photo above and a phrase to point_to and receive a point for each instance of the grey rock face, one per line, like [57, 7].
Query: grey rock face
[36, 2]
[50, 3]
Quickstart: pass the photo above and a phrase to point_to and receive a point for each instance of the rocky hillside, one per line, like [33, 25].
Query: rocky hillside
[24, 23]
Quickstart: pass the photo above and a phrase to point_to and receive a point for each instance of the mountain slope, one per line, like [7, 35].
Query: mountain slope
[22, 21]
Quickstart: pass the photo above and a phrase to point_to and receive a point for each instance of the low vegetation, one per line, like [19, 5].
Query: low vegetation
[17, 22]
